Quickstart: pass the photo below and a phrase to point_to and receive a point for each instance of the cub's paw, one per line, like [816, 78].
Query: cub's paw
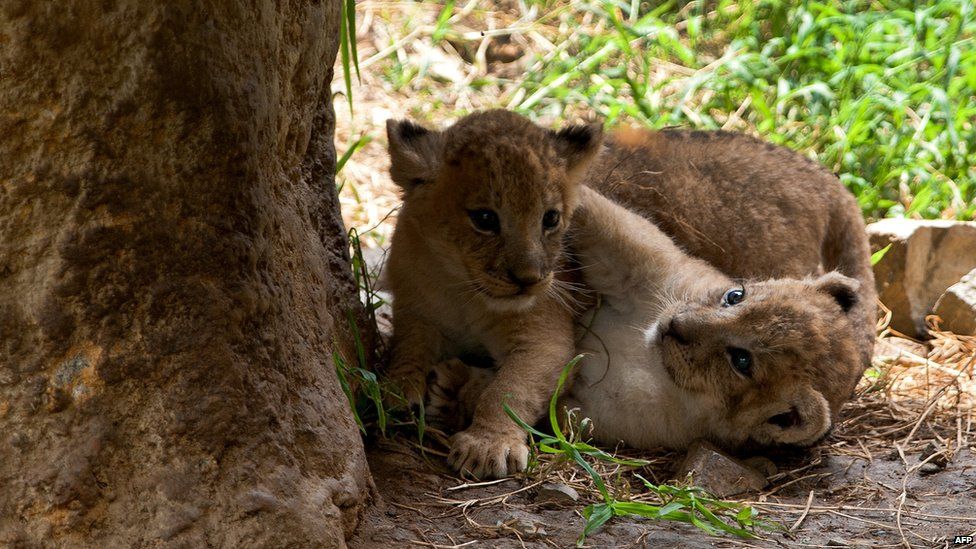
[488, 454]
[444, 383]
[412, 385]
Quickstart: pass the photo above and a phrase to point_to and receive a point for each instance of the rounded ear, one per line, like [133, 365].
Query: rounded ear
[415, 153]
[800, 420]
[843, 289]
[578, 145]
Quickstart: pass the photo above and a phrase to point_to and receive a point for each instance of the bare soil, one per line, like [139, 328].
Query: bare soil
[825, 498]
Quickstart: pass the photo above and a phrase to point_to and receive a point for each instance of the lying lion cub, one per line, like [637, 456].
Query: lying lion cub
[476, 260]
[679, 351]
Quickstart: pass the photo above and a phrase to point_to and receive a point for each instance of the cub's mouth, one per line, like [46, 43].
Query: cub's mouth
[675, 358]
[499, 289]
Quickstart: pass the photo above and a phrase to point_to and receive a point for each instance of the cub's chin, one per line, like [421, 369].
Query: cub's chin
[510, 304]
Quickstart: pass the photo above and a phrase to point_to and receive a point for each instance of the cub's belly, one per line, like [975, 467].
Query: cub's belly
[621, 384]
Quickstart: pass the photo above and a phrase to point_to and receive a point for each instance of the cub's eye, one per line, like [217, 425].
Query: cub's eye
[550, 220]
[733, 297]
[740, 359]
[485, 221]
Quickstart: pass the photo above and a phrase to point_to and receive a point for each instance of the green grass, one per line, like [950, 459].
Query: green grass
[882, 92]
[348, 51]
[376, 403]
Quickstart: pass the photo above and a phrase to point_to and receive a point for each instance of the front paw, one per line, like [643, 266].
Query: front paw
[412, 386]
[486, 453]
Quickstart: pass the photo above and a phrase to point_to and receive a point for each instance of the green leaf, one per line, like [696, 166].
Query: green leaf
[596, 515]
[358, 144]
[878, 255]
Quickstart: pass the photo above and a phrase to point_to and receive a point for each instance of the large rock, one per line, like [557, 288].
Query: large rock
[925, 258]
[174, 277]
[957, 306]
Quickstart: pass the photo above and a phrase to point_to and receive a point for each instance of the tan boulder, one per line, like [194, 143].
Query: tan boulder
[957, 306]
[925, 258]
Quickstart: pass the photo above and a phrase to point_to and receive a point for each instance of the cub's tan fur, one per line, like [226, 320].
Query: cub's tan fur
[465, 287]
[750, 208]
[659, 367]
[727, 199]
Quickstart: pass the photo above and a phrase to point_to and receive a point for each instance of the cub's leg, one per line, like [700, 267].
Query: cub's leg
[626, 258]
[539, 347]
[453, 390]
[417, 346]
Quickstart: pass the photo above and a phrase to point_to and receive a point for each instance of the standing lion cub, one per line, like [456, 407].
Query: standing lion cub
[477, 260]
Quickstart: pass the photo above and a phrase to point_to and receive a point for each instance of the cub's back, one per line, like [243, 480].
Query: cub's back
[748, 207]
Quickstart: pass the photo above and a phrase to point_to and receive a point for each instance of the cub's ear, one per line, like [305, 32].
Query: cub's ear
[578, 145]
[415, 153]
[800, 420]
[842, 288]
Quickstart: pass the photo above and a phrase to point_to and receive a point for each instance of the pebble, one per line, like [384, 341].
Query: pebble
[554, 492]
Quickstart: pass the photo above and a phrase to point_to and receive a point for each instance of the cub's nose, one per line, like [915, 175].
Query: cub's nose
[674, 332]
[525, 278]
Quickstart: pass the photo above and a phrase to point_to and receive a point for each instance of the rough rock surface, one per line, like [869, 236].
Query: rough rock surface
[925, 258]
[173, 278]
[957, 306]
[718, 473]
[556, 493]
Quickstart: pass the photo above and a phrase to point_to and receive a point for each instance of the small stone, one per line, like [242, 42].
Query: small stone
[525, 524]
[929, 468]
[925, 258]
[837, 542]
[941, 458]
[556, 493]
[718, 473]
[957, 306]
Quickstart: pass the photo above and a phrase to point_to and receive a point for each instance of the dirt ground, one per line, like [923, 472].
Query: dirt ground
[825, 499]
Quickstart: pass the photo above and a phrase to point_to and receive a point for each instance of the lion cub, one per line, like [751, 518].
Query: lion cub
[475, 267]
[678, 351]
[750, 208]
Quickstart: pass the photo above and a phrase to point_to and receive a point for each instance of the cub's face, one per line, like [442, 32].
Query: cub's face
[780, 356]
[490, 198]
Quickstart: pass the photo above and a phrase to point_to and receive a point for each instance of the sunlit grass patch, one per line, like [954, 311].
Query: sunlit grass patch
[883, 93]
